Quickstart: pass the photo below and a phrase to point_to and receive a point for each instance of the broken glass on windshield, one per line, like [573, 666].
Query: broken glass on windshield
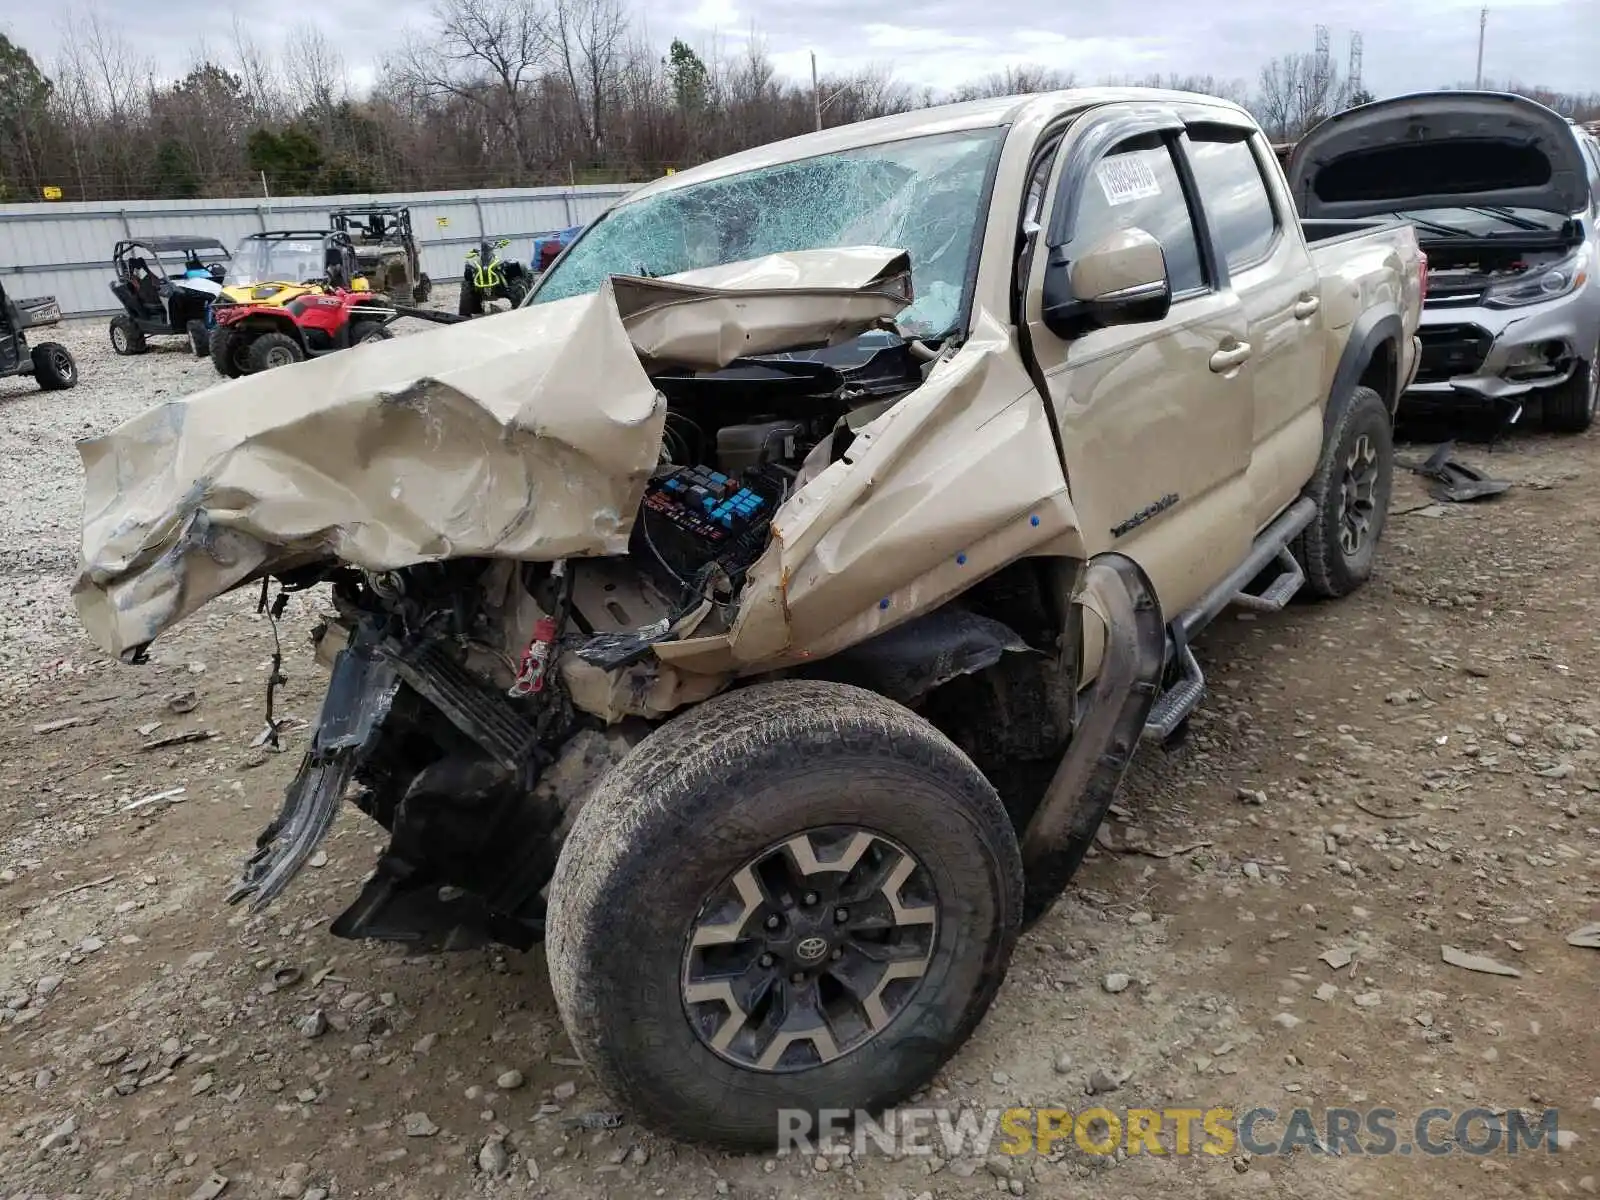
[923, 195]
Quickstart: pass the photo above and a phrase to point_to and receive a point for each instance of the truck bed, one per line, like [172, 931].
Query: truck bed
[1321, 230]
[1366, 263]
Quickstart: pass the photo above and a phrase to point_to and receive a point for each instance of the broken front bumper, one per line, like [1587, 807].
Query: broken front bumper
[362, 688]
[1474, 355]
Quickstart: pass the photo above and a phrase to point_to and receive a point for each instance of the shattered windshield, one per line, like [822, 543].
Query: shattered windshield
[923, 195]
[273, 261]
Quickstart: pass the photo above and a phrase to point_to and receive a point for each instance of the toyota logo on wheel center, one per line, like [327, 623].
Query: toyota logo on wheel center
[811, 949]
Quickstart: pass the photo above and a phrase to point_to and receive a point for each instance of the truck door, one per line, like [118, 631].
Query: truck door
[1264, 258]
[1154, 416]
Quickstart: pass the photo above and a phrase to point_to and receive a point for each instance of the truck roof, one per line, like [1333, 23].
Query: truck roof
[942, 118]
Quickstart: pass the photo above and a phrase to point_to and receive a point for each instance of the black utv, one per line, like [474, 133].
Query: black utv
[158, 304]
[50, 363]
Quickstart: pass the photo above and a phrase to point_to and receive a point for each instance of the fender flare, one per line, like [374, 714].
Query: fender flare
[1369, 331]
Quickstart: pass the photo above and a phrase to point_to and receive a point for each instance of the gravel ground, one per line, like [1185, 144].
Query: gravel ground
[40, 519]
[1368, 783]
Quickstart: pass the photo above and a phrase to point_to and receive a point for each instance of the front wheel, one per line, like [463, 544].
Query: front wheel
[1351, 490]
[424, 289]
[369, 331]
[796, 896]
[126, 337]
[199, 338]
[1571, 407]
[229, 352]
[274, 350]
[54, 368]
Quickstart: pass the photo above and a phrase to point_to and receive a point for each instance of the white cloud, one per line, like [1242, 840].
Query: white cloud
[1416, 45]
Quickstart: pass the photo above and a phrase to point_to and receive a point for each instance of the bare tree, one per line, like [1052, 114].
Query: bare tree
[1295, 91]
[489, 54]
[255, 68]
[1580, 106]
[490, 93]
[1014, 80]
[587, 36]
[316, 71]
[1236, 90]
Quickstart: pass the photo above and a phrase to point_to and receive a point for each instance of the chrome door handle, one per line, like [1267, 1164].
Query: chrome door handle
[1227, 360]
[1306, 306]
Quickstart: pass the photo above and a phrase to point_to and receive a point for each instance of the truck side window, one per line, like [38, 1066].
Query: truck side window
[1235, 196]
[1137, 185]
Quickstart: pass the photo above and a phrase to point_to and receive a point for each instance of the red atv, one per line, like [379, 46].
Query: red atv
[255, 337]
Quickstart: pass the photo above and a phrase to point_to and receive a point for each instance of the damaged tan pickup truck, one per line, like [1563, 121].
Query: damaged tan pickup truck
[765, 613]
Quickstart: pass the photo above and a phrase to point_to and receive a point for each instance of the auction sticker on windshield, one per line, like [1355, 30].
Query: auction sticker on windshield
[1126, 178]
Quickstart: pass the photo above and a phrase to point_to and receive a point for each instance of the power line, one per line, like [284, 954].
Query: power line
[1483, 25]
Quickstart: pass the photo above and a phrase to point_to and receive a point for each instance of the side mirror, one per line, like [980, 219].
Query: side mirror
[1120, 280]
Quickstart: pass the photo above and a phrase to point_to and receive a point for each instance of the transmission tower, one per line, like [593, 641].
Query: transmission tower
[1354, 71]
[1321, 65]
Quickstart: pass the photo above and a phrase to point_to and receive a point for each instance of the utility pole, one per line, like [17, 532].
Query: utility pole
[1483, 21]
[816, 96]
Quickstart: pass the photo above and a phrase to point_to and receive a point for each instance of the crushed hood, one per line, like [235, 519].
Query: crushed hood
[1439, 150]
[526, 435]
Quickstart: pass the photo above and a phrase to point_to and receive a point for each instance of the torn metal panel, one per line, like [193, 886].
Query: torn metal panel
[489, 438]
[965, 462]
[528, 435]
[817, 297]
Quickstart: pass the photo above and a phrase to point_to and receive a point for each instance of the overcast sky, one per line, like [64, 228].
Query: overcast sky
[1409, 44]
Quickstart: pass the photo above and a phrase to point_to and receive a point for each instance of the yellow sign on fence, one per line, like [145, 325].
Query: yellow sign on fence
[441, 222]
[51, 192]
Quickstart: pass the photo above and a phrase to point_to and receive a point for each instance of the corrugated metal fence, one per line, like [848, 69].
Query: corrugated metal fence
[64, 249]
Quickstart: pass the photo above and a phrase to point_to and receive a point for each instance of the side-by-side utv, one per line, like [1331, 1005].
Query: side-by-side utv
[386, 250]
[156, 303]
[50, 363]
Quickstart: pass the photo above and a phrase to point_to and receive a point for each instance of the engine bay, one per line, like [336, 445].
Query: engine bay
[490, 647]
[738, 443]
[1460, 273]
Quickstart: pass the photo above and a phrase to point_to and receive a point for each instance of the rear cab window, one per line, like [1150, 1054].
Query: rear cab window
[1239, 208]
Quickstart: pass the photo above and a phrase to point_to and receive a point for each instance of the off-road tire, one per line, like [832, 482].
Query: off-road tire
[127, 338]
[470, 304]
[678, 817]
[199, 338]
[369, 331]
[424, 289]
[1331, 569]
[1571, 407]
[229, 361]
[515, 291]
[54, 368]
[270, 346]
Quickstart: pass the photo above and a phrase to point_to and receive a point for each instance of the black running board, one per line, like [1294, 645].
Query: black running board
[1086, 781]
[1179, 701]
